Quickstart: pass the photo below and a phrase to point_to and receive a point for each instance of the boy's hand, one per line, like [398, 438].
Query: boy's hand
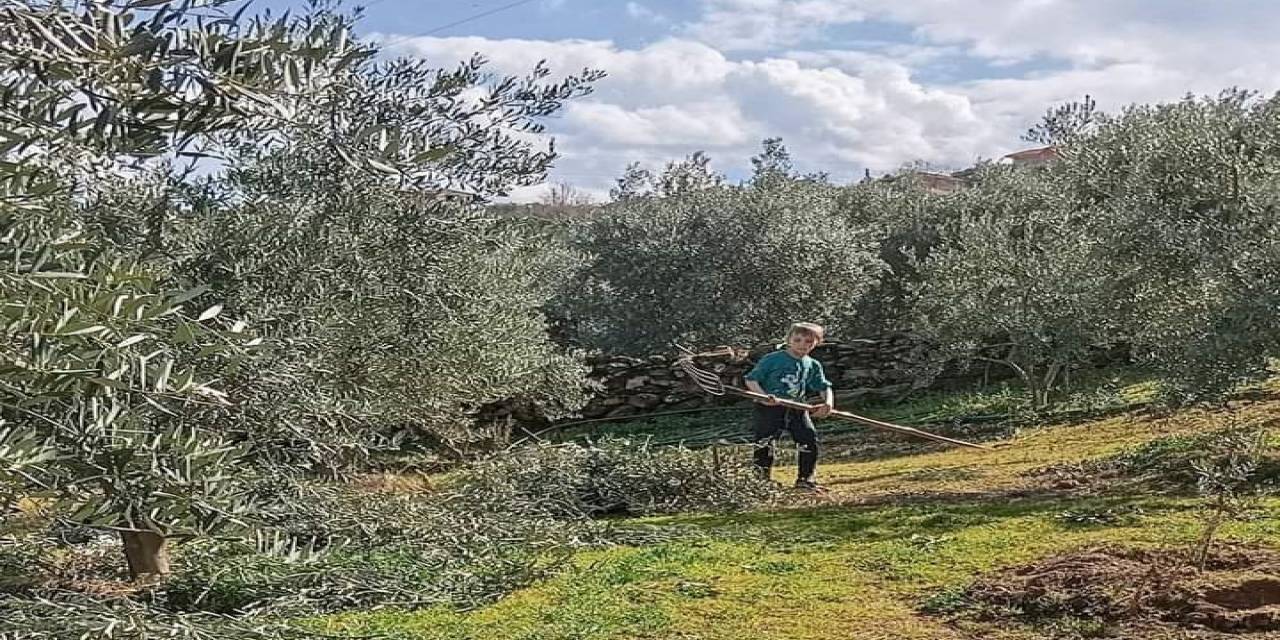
[771, 401]
[822, 410]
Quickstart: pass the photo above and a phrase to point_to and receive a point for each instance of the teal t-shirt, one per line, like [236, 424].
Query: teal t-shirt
[786, 376]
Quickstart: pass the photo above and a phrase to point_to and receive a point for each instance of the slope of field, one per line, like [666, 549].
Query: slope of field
[862, 561]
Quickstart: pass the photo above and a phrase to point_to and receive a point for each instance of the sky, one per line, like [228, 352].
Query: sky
[849, 85]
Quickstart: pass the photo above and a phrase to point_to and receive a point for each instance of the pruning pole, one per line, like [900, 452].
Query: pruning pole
[863, 420]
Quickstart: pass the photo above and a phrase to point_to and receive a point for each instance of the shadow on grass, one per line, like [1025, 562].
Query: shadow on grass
[952, 472]
[862, 444]
[931, 514]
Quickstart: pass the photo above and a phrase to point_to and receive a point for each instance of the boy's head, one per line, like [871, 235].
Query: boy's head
[802, 337]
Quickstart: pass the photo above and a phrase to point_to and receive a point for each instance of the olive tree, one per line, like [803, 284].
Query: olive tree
[109, 368]
[1015, 279]
[356, 233]
[1156, 229]
[907, 220]
[1184, 197]
[701, 261]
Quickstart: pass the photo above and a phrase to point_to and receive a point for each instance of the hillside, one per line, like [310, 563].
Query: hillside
[893, 537]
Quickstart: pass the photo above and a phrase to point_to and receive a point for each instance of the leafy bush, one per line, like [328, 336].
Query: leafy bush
[22, 566]
[907, 220]
[240, 582]
[112, 372]
[619, 476]
[707, 263]
[319, 548]
[335, 548]
[1229, 485]
[1015, 280]
[413, 310]
[1181, 200]
[73, 615]
[1156, 230]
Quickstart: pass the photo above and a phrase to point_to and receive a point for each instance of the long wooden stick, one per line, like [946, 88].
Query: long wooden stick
[853, 417]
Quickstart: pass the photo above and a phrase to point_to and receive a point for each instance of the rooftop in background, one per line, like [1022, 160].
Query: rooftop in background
[1032, 157]
[940, 182]
[954, 181]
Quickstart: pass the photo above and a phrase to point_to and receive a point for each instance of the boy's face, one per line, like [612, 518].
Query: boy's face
[801, 343]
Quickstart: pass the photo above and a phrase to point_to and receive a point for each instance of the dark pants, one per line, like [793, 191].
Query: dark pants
[770, 422]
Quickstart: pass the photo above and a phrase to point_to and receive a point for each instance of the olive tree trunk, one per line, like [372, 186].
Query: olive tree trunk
[146, 552]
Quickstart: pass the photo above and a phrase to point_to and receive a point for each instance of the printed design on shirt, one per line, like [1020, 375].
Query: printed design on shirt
[794, 384]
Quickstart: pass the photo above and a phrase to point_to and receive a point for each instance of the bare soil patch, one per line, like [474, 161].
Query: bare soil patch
[1237, 591]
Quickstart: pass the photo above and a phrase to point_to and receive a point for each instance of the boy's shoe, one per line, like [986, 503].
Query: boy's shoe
[810, 486]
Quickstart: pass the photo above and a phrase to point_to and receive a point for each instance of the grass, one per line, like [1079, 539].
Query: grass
[1092, 390]
[893, 534]
[812, 573]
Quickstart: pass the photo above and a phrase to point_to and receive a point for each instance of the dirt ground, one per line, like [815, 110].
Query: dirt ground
[1236, 592]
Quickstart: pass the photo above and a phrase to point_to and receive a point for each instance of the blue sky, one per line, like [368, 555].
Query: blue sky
[850, 85]
[536, 19]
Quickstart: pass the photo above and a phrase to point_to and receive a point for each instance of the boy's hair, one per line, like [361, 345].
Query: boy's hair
[809, 328]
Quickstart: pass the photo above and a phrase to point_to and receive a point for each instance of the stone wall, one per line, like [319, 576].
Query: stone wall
[859, 369]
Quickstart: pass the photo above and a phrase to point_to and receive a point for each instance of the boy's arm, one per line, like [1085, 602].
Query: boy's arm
[828, 403]
[828, 395]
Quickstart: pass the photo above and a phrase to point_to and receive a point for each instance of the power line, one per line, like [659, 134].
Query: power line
[476, 17]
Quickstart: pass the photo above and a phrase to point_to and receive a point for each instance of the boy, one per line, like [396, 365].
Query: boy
[791, 374]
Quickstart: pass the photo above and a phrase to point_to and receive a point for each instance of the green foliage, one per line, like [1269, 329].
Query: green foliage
[907, 221]
[1089, 393]
[109, 367]
[1015, 280]
[409, 310]
[228, 583]
[1228, 482]
[145, 78]
[70, 615]
[23, 566]
[133, 395]
[1182, 463]
[697, 261]
[327, 548]
[1155, 230]
[1063, 123]
[619, 476]
[1179, 459]
[1181, 199]
[319, 549]
[106, 389]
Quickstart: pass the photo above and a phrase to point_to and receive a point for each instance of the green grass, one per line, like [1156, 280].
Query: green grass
[894, 534]
[806, 573]
[1091, 391]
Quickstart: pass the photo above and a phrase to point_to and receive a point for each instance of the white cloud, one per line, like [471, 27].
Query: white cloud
[705, 125]
[539, 193]
[1082, 32]
[840, 110]
[837, 112]
[641, 12]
